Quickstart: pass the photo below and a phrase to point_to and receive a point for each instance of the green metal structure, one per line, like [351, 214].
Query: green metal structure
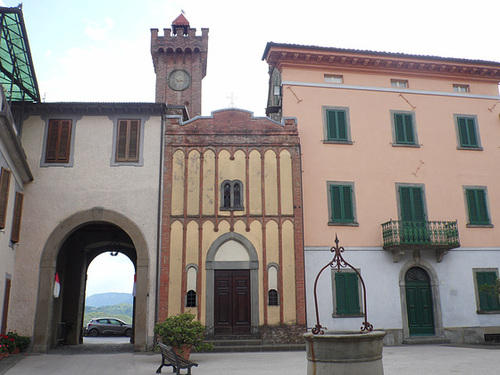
[17, 73]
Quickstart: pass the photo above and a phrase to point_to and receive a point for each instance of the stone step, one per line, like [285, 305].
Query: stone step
[259, 348]
[426, 340]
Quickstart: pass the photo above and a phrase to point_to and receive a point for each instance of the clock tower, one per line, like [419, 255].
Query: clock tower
[180, 63]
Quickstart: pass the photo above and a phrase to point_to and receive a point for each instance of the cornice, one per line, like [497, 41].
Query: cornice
[380, 62]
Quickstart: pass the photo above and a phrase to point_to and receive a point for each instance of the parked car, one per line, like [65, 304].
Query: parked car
[108, 326]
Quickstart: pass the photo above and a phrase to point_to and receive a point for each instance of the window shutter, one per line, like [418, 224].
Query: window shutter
[16, 223]
[121, 143]
[418, 204]
[409, 129]
[336, 203]
[342, 128]
[340, 289]
[347, 197]
[399, 124]
[336, 125]
[471, 132]
[471, 205]
[332, 125]
[405, 198]
[133, 151]
[4, 195]
[58, 141]
[352, 293]
[487, 301]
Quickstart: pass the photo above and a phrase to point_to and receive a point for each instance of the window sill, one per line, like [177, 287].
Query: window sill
[355, 224]
[411, 145]
[348, 316]
[337, 142]
[488, 312]
[472, 148]
[231, 209]
[479, 225]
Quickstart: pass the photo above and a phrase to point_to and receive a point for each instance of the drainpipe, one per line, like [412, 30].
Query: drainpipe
[159, 218]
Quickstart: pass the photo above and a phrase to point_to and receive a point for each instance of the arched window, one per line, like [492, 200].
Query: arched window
[191, 299]
[272, 297]
[272, 279]
[191, 286]
[232, 195]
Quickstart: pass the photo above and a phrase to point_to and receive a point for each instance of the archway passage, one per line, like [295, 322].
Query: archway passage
[419, 302]
[73, 259]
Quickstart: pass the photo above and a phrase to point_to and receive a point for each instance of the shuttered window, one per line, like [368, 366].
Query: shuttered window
[477, 206]
[4, 195]
[347, 293]
[127, 140]
[404, 128]
[412, 203]
[58, 141]
[467, 132]
[337, 127]
[488, 297]
[16, 222]
[341, 203]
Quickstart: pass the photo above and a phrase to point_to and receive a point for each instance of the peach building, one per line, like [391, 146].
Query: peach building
[400, 160]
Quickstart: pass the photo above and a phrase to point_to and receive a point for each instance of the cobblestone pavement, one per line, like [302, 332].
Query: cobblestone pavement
[111, 358]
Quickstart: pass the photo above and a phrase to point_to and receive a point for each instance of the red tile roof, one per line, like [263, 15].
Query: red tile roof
[180, 21]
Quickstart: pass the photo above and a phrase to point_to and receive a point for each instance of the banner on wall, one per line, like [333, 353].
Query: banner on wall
[57, 286]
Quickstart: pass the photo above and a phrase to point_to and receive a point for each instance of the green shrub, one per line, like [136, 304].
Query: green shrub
[182, 330]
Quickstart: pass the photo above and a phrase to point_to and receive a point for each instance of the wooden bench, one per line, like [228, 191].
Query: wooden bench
[170, 358]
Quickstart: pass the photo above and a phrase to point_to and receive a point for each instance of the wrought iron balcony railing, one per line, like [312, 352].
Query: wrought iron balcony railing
[420, 235]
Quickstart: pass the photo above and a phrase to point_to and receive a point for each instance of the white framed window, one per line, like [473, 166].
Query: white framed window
[334, 78]
[399, 83]
[461, 88]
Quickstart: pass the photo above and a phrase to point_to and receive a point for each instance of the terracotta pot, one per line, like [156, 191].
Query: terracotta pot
[184, 351]
[16, 351]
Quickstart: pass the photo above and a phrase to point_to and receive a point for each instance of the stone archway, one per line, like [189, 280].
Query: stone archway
[250, 262]
[44, 327]
[435, 295]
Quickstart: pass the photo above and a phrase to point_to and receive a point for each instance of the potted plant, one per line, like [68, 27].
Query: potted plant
[183, 333]
[22, 342]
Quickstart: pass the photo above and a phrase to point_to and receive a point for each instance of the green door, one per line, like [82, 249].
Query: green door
[419, 302]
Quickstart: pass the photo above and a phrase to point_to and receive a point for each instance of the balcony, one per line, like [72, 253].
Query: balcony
[439, 236]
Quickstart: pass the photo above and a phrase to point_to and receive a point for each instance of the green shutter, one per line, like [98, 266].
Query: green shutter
[476, 204]
[347, 293]
[412, 203]
[403, 126]
[467, 132]
[487, 301]
[336, 125]
[341, 204]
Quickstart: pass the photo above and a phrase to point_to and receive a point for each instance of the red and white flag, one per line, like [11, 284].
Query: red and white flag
[57, 286]
[135, 281]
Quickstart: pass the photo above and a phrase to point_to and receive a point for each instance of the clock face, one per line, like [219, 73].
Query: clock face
[179, 80]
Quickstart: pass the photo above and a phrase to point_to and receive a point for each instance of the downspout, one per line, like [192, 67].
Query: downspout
[159, 218]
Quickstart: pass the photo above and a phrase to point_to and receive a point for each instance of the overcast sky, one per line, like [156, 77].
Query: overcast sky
[99, 50]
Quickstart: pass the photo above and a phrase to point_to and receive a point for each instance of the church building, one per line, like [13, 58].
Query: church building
[232, 218]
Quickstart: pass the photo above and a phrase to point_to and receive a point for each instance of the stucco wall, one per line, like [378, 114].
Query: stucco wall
[58, 192]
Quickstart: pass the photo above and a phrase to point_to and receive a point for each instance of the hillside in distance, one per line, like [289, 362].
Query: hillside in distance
[108, 299]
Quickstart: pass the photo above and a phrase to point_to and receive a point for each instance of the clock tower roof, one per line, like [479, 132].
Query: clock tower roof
[180, 21]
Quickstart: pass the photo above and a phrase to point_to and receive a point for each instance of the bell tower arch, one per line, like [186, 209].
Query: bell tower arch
[180, 63]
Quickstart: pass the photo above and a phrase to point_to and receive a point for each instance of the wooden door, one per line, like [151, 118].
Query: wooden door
[419, 303]
[232, 302]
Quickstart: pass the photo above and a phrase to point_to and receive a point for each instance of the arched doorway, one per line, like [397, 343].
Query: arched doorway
[419, 302]
[232, 286]
[68, 252]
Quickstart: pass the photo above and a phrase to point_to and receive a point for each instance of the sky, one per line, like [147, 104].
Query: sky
[99, 51]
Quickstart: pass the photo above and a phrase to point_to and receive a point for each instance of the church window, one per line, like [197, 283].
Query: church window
[191, 295]
[232, 195]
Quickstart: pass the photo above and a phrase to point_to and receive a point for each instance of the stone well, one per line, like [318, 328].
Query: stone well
[345, 353]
